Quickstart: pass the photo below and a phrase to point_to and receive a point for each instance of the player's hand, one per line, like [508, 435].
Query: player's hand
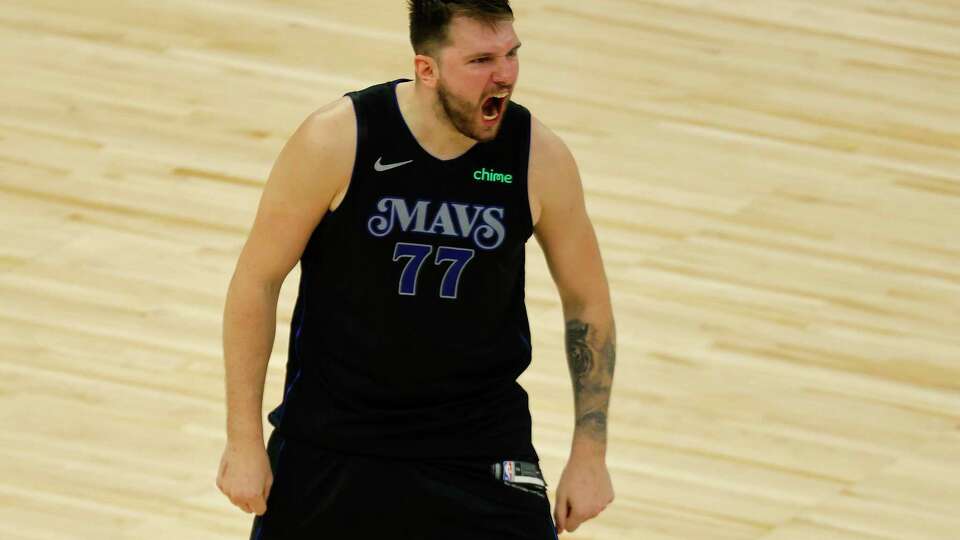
[245, 476]
[584, 490]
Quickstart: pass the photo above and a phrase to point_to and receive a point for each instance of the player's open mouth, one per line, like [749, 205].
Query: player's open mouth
[494, 105]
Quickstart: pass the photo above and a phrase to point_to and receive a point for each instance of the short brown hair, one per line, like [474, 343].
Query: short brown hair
[429, 19]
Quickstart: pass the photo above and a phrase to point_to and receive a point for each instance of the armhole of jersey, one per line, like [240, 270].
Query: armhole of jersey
[361, 135]
[528, 144]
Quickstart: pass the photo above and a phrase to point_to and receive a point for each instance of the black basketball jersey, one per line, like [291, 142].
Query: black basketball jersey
[410, 329]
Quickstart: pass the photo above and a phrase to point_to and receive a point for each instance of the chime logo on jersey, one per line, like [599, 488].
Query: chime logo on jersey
[483, 224]
[492, 176]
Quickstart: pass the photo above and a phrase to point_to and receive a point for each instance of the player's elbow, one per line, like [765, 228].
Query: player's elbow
[588, 302]
[249, 277]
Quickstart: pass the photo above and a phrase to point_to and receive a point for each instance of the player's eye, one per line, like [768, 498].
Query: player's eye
[480, 60]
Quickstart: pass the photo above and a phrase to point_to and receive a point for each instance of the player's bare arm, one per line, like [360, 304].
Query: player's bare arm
[309, 177]
[566, 235]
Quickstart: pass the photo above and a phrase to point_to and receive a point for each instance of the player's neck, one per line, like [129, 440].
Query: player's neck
[425, 118]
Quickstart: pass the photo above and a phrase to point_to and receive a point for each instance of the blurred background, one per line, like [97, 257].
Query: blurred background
[775, 185]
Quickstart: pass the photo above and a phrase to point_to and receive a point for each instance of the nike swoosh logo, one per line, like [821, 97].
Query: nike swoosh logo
[380, 168]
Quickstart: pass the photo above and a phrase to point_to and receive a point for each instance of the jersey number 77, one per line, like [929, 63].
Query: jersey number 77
[416, 255]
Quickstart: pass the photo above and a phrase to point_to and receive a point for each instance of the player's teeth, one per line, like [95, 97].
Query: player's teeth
[492, 116]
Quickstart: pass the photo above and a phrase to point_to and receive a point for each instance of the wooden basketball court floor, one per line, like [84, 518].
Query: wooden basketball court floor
[775, 186]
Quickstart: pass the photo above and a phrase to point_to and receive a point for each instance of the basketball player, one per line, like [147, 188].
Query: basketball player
[408, 205]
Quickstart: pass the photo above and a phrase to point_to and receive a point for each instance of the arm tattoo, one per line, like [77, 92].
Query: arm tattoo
[579, 355]
[591, 356]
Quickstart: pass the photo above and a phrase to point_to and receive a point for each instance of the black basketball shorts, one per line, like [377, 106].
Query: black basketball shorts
[318, 494]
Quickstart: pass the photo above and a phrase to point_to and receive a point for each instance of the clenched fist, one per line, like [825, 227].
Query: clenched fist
[245, 476]
[585, 490]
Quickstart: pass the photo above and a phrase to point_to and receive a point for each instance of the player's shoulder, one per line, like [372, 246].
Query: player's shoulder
[318, 158]
[331, 124]
[553, 178]
[326, 139]
[549, 154]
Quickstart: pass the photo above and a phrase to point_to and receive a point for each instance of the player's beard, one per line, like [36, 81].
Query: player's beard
[463, 115]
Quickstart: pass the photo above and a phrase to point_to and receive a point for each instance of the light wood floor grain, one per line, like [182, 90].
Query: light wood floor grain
[775, 184]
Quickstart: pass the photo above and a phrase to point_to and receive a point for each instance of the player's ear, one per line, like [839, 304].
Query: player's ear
[427, 70]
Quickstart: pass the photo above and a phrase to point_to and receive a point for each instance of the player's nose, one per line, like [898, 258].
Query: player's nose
[505, 73]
